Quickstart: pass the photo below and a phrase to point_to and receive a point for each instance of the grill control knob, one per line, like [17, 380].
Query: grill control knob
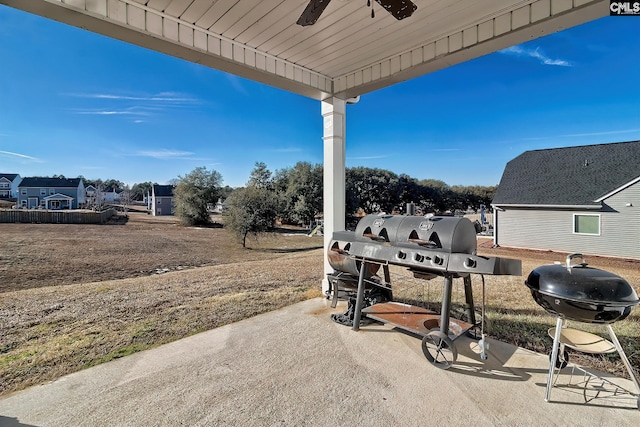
[470, 263]
[401, 255]
[436, 260]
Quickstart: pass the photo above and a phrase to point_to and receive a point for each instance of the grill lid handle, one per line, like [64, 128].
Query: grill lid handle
[572, 256]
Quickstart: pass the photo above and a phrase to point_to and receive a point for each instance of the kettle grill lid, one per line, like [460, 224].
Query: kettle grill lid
[578, 282]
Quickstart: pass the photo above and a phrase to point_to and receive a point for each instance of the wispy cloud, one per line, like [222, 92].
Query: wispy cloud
[536, 54]
[611, 132]
[236, 83]
[132, 111]
[20, 156]
[136, 108]
[164, 154]
[163, 97]
[579, 135]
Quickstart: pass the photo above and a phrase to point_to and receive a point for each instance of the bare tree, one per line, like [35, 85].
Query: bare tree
[126, 197]
[96, 200]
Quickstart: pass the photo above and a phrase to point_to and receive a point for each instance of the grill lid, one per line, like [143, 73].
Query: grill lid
[577, 282]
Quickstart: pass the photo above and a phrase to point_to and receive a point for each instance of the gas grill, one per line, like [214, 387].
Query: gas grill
[574, 291]
[429, 247]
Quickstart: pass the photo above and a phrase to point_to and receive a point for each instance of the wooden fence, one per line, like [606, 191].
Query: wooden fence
[55, 217]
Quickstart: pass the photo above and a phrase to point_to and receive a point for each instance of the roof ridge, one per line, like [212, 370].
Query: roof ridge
[582, 146]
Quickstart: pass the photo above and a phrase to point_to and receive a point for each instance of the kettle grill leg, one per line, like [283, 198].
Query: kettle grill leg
[623, 356]
[554, 357]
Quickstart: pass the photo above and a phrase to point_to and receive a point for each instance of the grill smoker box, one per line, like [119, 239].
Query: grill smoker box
[581, 293]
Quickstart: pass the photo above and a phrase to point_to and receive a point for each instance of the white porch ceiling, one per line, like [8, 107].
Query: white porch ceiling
[345, 54]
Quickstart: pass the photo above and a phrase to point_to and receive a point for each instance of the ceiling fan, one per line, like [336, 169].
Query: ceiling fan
[400, 9]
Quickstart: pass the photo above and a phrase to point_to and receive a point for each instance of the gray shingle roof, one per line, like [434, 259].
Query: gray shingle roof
[571, 176]
[40, 182]
[163, 190]
[9, 176]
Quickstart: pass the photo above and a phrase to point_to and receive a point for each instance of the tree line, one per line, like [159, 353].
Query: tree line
[294, 195]
[298, 190]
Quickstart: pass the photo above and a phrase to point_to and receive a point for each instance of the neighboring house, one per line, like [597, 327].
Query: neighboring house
[218, 207]
[99, 196]
[110, 195]
[161, 200]
[90, 191]
[582, 199]
[9, 185]
[51, 193]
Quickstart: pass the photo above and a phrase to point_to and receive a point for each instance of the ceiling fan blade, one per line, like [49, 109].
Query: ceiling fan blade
[312, 12]
[400, 9]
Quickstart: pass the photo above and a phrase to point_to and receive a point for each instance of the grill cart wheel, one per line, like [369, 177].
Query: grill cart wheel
[562, 359]
[439, 349]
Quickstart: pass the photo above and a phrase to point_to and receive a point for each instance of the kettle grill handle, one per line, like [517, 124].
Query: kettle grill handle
[572, 256]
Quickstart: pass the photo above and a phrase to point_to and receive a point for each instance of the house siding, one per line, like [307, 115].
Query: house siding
[11, 186]
[34, 192]
[163, 206]
[161, 201]
[623, 226]
[5, 189]
[547, 229]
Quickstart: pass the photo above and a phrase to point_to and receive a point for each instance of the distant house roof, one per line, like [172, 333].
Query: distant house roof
[163, 190]
[571, 176]
[9, 176]
[50, 182]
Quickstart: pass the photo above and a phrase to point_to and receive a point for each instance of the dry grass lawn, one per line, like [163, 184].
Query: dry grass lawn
[74, 296]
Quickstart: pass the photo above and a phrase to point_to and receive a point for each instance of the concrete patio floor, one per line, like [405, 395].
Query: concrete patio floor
[296, 367]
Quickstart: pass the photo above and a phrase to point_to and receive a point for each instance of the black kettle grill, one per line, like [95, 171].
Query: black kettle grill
[574, 291]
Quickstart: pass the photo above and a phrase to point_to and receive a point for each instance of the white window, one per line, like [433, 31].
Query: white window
[43, 191]
[52, 191]
[23, 191]
[586, 224]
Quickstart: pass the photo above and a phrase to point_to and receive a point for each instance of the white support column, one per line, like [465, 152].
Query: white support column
[333, 115]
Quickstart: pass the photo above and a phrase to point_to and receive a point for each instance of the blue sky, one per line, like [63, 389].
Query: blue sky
[77, 103]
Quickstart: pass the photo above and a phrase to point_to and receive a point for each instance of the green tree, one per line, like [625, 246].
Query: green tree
[193, 193]
[371, 189]
[260, 176]
[250, 211]
[140, 190]
[113, 184]
[299, 190]
[226, 191]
